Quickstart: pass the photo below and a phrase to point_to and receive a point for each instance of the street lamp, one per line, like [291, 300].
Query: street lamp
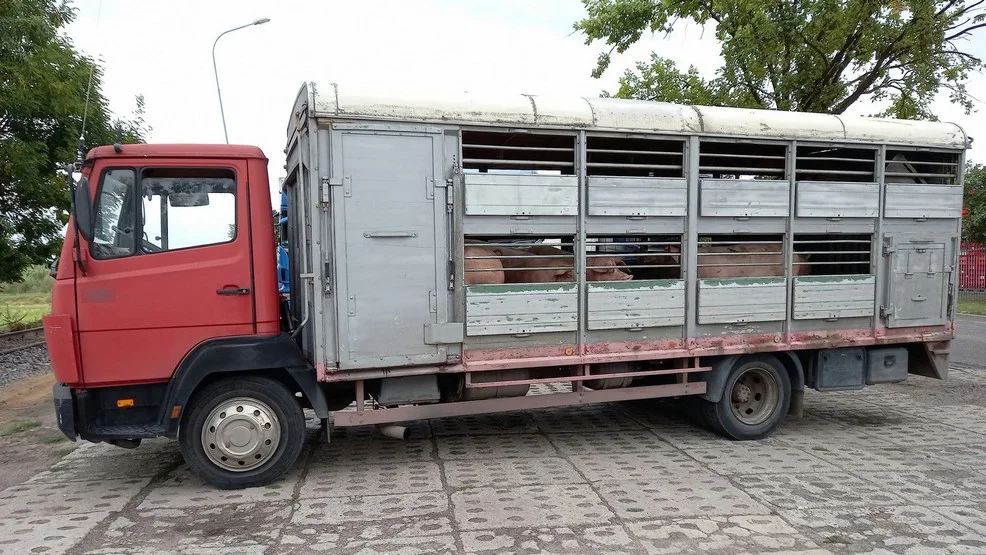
[216, 70]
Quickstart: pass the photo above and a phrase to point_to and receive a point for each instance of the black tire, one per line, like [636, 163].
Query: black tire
[729, 418]
[290, 427]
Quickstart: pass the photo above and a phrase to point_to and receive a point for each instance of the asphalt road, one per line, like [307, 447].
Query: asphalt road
[969, 347]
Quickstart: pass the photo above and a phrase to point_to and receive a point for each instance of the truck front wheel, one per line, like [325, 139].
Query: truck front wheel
[754, 401]
[242, 432]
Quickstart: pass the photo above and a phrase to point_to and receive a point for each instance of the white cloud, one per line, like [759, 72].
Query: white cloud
[162, 49]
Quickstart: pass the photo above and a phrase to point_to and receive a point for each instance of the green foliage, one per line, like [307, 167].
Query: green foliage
[34, 280]
[43, 87]
[974, 224]
[808, 55]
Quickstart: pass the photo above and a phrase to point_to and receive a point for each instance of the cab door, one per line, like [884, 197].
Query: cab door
[169, 267]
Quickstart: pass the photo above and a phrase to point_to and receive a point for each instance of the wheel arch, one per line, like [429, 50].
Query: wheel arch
[276, 357]
[715, 379]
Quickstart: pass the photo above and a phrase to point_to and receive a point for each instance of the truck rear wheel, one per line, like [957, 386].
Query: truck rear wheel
[754, 401]
[242, 432]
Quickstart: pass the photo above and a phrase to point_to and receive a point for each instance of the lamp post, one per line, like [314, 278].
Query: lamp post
[216, 70]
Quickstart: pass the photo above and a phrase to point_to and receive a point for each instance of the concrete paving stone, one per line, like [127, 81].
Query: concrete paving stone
[324, 543]
[946, 487]
[491, 446]
[878, 459]
[969, 457]
[814, 433]
[910, 529]
[917, 433]
[343, 510]
[234, 528]
[549, 388]
[688, 494]
[396, 535]
[45, 534]
[327, 480]
[654, 413]
[183, 489]
[964, 417]
[529, 506]
[592, 539]
[148, 447]
[127, 464]
[584, 419]
[972, 517]
[688, 436]
[656, 464]
[504, 473]
[743, 534]
[500, 423]
[758, 458]
[202, 548]
[41, 499]
[870, 416]
[835, 399]
[620, 441]
[804, 491]
[372, 449]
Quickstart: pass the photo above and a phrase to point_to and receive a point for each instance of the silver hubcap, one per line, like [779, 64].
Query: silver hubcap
[241, 434]
[754, 396]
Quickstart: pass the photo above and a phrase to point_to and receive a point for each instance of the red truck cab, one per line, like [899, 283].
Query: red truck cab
[168, 283]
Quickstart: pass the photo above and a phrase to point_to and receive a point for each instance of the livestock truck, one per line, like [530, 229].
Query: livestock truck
[462, 255]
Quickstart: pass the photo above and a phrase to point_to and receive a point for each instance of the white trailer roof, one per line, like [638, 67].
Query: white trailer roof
[613, 114]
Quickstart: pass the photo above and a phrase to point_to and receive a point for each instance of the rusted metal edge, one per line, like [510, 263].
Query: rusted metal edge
[348, 418]
[486, 360]
[586, 377]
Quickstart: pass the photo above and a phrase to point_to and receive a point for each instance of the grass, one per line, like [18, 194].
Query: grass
[23, 303]
[972, 306]
[23, 310]
[20, 428]
[51, 437]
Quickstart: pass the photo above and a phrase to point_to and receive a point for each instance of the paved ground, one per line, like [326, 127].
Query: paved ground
[969, 347]
[891, 469]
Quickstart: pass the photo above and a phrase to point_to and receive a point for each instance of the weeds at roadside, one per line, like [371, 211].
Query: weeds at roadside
[20, 428]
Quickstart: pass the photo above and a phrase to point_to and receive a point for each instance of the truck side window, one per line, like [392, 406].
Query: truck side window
[185, 208]
[113, 235]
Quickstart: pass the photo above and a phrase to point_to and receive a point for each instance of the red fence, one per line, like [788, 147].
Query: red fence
[972, 267]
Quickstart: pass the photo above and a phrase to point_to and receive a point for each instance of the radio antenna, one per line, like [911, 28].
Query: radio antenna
[85, 111]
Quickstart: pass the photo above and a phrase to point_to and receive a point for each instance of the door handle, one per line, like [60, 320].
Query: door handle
[389, 234]
[233, 291]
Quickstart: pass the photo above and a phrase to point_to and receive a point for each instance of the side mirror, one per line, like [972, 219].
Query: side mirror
[82, 208]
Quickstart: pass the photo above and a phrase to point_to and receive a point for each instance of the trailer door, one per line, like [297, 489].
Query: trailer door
[918, 283]
[393, 241]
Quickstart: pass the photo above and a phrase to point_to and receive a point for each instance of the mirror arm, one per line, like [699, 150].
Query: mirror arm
[75, 222]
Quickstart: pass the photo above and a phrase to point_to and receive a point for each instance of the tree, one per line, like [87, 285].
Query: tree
[804, 55]
[974, 223]
[43, 89]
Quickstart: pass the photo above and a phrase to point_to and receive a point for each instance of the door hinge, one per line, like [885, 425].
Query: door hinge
[433, 301]
[886, 311]
[888, 246]
[325, 184]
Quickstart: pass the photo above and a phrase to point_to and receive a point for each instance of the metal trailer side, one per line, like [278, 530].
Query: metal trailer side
[384, 206]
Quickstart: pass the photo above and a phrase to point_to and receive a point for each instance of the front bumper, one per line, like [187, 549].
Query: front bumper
[65, 410]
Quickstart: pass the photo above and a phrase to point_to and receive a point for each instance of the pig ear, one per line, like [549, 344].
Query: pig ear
[620, 262]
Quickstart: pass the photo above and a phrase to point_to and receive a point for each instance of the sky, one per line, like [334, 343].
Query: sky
[162, 49]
